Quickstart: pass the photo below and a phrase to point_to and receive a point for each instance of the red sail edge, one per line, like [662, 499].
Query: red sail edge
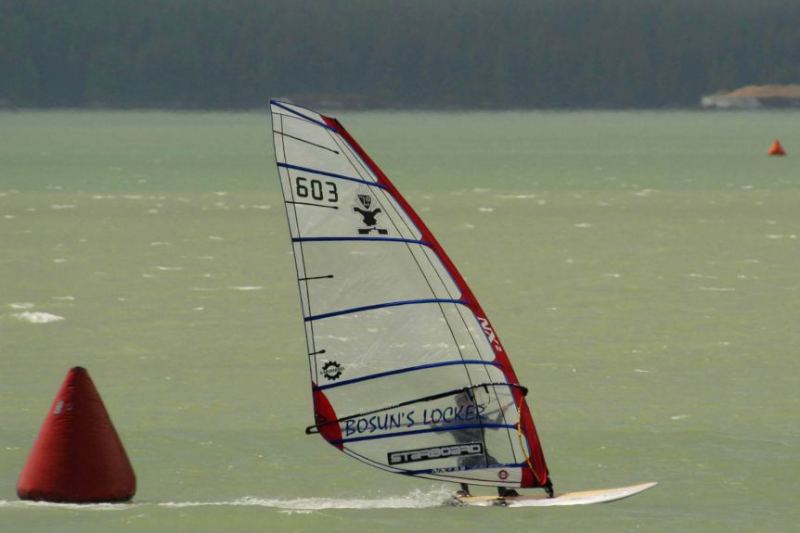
[324, 416]
[536, 475]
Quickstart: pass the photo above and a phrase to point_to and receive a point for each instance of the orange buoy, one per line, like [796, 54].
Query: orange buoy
[78, 456]
[776, 148]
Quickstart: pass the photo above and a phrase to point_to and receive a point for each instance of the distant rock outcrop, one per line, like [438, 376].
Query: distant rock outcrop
[755, 96]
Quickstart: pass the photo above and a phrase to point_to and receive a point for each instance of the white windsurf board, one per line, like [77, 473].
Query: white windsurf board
[585, 497]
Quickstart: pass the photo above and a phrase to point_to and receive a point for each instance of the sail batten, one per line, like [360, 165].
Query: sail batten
[379, 239]
[394, 334]
[404, 370]
[382, 305]
[331, 175]
[294, 111]
[426, 430]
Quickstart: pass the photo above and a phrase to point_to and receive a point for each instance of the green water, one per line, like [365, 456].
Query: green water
[641, 269]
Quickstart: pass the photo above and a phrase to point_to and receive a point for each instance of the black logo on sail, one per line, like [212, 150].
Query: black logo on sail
[332, 370]
[437, 452]
[368, 216]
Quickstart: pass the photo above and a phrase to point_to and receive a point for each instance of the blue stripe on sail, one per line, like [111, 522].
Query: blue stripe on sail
[293, 112]
[445, 472]
[331, 175]
[386, 239]
[419, 431]
[381, 306]
[404, 370]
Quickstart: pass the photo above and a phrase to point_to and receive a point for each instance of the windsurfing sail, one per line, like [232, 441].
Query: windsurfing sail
[407, 372]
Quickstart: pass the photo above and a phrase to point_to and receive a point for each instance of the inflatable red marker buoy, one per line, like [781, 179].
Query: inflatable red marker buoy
[78, 456]
[776, 148]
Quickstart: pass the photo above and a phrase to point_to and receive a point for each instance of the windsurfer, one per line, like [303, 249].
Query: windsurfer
[465, 400]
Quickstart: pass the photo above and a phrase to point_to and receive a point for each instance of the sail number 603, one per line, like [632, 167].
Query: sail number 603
[316, 189]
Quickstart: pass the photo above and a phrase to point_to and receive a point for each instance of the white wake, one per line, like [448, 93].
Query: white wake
[416, 499]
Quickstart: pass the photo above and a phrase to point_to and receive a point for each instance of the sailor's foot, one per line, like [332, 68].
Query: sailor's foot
[506, 493]
[464, 492]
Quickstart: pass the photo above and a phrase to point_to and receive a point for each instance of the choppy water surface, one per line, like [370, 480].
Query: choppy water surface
[641, 269]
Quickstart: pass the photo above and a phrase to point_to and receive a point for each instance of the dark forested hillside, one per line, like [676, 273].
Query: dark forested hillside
[391, 53]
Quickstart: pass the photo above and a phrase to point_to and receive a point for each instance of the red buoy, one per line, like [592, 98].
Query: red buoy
[776, 148]
[78, 456]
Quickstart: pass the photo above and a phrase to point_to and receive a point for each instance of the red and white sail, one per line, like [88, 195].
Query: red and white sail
[407, 372]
